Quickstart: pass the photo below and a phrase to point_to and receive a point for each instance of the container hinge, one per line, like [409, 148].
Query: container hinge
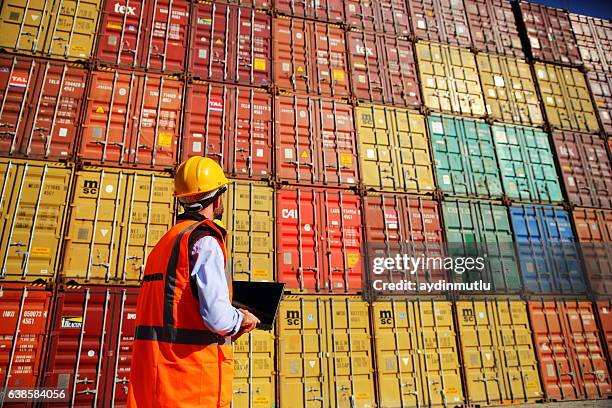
[106, 265]
[410, 393]
[123, 380]
[311, 269]
[312, 389]
[343, 388]
[311, 164]
[133, 257]
[7, 133]
[240, 392]
[18, 244]
[87, 391]
[144, 146]
[315, 399]
[83, 381]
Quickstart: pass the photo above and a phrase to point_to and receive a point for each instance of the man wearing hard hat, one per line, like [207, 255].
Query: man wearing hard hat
[185, 322]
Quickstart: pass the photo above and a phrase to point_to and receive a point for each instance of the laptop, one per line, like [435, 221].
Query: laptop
[260, 298]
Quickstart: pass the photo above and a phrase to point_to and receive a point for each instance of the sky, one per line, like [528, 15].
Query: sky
[595, 8]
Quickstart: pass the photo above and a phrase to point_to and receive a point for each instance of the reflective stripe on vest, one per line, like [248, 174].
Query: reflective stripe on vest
[168, 333]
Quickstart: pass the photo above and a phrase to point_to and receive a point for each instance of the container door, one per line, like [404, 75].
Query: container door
[254, 375]
[166, 45]
[24, 26]
[72, 30]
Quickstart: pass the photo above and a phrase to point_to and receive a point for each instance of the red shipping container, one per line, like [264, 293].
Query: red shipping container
[594, 38]
[315, 141]
[23, 330]
[230, 44]
[321, 10]
[144, 35]
[40, 107]
[383, 69]
[442, 21]
[132, 119]
[493, 27]
[90, 345]
[571, 358]
[586, 168]
[594, 233]
[402, 224]
[550, 34]
[231, 124]
[319, 240]
[384, 16]
[604, 313]
[310, 58]
[601, 88]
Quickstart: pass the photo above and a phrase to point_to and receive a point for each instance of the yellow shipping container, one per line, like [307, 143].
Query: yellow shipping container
[394, 149]
[60, 29]
[497, 352]
[116, 218]
[449, 79]
[249, 218]
[32, 207]
[415, 347]
[509, 90]
[325, 356]
[254, 375]
[566, 98]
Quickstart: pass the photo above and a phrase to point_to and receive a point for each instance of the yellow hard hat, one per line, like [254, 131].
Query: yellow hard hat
[198, 175]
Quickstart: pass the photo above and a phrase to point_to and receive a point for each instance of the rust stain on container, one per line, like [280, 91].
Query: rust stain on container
[585, 167]
[493, 27]
[594, 233]
[601, 87]
[509, 90]
[594, 38]
[550, 34]
[230, 44]
[310, 57]
[383, 69]
[449, 79]
[571, 357]
[442, 21]
[384, 16]
[315, 141]
[231, 124]
[132, 119]
[40, 107]
[566, 98]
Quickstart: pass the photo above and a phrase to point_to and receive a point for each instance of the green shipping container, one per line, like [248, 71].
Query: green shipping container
[464, 154]
[476, 228]
[527, 166]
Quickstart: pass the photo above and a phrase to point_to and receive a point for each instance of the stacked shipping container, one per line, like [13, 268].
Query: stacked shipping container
[351, 129]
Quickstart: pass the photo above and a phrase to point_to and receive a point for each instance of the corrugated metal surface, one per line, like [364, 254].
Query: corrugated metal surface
[322, 10]
[403, 224]
[465, 157]
[254, 374]
[493, 27]
[40, 107]
[144, 35]
[318, 240]
[383, 69]
[325, 356]
[23, 332]
[116, 218]
[132, 119]
[249, 218]
[509, 90]
[571, 357]
[594, 38]
[310, 57]
[498, 353]
[566, 98]
[315, 141]
[90, 345]
[601, 87]
[550, 34]
[232, 124]
[230, 44]
[59, 29]
[393, 150]
[604, 313]
[586, 168]
[527, 164]
[548, 255]
[473, 228]
[442, 21]
[594, 233]
[386, 16]
[416, 354]
[449, 79]
[32, 207]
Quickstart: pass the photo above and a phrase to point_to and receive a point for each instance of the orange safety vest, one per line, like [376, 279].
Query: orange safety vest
[176, 360]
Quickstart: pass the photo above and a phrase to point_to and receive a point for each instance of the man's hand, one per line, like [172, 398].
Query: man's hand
[249, 322]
